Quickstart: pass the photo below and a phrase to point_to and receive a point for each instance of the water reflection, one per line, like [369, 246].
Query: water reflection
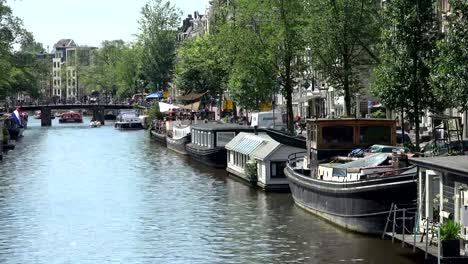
[74, 194]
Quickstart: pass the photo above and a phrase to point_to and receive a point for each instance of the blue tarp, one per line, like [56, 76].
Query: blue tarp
[155, 95]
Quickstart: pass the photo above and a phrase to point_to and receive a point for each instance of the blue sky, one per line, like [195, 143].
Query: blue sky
[88, 22]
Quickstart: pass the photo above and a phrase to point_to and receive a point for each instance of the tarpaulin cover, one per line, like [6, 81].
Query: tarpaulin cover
[369, 161]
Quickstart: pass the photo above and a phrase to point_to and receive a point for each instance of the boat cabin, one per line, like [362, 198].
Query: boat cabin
[334, 137]
[443, 195]
[259, 159]
[215, 135]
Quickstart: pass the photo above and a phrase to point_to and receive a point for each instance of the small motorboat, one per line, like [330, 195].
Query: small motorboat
[95, 123]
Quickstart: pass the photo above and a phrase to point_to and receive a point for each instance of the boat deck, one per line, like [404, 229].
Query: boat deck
[431, 252]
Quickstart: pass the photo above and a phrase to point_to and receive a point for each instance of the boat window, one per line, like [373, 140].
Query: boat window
[375, 135]
[337, 134]
[277, 169]
[222, 138]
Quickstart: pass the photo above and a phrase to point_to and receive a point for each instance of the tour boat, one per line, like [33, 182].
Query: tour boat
[95, 123]
[179, 137]
[356, 195]
[209, 139]
[71, 117]
[128, 119]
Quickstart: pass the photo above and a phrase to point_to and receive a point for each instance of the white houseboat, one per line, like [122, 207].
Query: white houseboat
[259, 159]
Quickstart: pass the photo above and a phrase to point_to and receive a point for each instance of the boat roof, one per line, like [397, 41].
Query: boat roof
[222, 127]
[452, 164]
[347, 120]
[259, 146]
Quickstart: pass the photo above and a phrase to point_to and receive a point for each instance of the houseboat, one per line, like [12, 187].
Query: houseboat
[209, 141]
[128, 119]
[158, 131]
[15, 130]
[71, 117]
[259, 160]
[356, 195]
[179, 137]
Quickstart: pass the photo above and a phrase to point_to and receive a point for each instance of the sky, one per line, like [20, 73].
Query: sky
[87, 22]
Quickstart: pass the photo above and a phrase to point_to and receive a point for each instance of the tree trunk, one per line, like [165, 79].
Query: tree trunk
[288, 89]
[347, 94]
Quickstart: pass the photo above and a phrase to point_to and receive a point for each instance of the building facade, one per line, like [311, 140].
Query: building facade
[67, 58]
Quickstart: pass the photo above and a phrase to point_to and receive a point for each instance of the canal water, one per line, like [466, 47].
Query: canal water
[74, 194]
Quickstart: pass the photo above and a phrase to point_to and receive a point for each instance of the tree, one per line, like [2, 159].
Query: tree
[11, 32]
[101, 75]
[450, 72]
[408, 45]
[199, 67]
[158, 26]
[342, 35]
[262, 43]
[129, 70]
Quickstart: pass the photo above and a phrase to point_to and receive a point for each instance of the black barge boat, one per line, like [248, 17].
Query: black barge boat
[209, 139]
[356, 195]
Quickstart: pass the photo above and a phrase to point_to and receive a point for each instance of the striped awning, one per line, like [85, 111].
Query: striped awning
[248, 145]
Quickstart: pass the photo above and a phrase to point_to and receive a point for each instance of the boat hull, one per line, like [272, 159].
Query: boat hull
[178, 145]
[16, 133]
[360, 206]
[158, 137]
[213, 157]
[128, 126]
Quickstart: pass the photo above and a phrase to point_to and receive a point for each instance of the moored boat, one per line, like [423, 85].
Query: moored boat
[158, 131]
[209, 139]
[95, 123]
[356, 195]
[128, 120]
[179, 137]
[259, 160]
[37, 114]
[71, 117]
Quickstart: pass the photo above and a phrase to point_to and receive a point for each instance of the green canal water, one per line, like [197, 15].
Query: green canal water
[74, 194]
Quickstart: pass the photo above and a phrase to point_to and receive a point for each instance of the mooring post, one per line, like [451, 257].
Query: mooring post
[415, 231]
[388, 219]
[46, 116]
[394, 223]
[427, 237]
[98, 114]
[404, 215]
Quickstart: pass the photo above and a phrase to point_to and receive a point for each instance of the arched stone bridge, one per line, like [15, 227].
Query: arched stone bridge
[98, 110]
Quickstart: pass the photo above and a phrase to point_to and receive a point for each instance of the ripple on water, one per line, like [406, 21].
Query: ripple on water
[72, 194]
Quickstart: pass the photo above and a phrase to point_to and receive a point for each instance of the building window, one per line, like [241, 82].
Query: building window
[277, 169]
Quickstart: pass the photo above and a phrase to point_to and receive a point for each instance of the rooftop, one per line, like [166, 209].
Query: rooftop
[453, 164]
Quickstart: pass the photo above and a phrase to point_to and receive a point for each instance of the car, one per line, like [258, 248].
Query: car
[77, 102]
[439, 147]
[400, 140]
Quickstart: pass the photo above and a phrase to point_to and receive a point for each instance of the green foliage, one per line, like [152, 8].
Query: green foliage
[101, 75]
[379, 114]
[155, 113]
[450, 230]
[449, 74]
[251, 170]
[158, 26]
[128, 70]
[342, 36]
[401, 81]
[11, 32]
[199, 67]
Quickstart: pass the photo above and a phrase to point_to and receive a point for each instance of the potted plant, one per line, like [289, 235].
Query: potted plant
[450, 236]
